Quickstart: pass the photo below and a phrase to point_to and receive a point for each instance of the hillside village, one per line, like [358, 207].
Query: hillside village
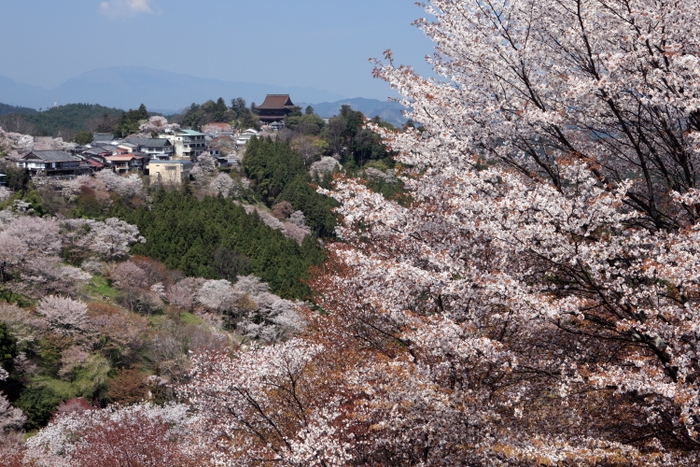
[156, 141]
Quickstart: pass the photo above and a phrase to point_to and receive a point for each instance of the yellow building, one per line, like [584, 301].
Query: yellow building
[169, 172]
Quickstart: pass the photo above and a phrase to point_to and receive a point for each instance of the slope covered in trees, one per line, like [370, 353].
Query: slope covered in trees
[215, 238]
[535, 303]
[278, 174]
[71, 116]
[83, 322]
[12, 109]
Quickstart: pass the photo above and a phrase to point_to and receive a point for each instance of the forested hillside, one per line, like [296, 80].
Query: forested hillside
[216, 239]
[64, 120]
[85, 321]
[514, 283]
[11, 109]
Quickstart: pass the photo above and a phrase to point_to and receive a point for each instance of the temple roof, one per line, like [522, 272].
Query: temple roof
[276, 101]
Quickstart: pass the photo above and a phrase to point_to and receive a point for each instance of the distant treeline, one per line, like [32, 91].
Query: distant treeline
[6, 109]
[65, 120]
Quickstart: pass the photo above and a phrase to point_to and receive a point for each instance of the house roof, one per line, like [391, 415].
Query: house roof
[190, 133]
[150, 142]
[123, 157]
[94, 163]
[51, 156]
[95, 151]
[276, 101]
[102, 137]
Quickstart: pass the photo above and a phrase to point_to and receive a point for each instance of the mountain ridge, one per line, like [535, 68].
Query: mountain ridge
[168, 93]
[128, 87]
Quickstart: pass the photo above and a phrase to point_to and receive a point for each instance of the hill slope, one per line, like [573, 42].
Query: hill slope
[389, 111]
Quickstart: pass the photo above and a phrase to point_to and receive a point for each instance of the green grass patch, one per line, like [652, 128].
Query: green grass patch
[156, 321]
[98, 288]
[14, 298]
[189, 318]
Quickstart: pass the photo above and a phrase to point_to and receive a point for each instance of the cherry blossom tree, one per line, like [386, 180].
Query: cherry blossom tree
[135, 436]
[4, 193]
[64, 315]
[156, 125]
[536, 302]
[128, 186]
[109, 240]
[249, 308]
[544, 278]
[11, 418]
[128, 274]
[30, 247]
[261, 408]
[221, 184]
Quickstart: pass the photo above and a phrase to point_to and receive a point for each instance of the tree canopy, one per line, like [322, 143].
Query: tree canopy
[215, 238]
[536, 303]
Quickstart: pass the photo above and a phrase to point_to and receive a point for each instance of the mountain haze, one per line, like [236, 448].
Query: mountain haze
[128, 87]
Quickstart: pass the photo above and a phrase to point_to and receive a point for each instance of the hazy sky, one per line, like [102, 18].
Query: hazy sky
[324, 44]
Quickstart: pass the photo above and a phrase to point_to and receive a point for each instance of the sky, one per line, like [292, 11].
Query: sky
[323, 44]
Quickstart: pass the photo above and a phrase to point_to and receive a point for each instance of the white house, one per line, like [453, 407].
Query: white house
[186, 143]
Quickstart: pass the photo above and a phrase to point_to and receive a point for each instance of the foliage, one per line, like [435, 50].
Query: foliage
[17, 178]
[11, 109]
[184, 233]
[8, 348]
[197, 115]
[278, 174]
[129, 122]
[38, 403]
[271, 165]
[127, 387]
[83, 137]
[72, 117]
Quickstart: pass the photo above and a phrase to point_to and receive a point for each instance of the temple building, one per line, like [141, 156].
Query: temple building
[275, 108]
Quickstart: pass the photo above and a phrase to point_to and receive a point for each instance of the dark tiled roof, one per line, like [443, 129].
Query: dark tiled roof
[276, 101]
[149, 142]
[52, 156]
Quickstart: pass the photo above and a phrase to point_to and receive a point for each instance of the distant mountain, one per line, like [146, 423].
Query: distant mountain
[389, 111]
[128, 87]
[19, 94]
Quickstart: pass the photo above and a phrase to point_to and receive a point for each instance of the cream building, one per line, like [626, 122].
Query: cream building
[171, 172]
